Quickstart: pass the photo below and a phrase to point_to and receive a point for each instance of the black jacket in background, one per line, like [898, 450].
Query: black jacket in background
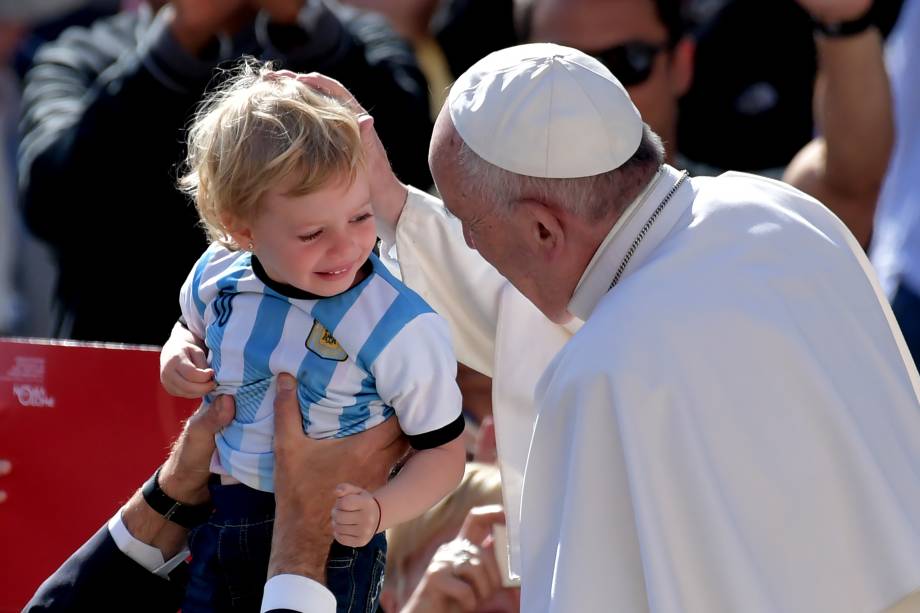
[102, 140]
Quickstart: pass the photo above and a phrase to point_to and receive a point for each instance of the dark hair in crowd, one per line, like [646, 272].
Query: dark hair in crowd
[671, 14]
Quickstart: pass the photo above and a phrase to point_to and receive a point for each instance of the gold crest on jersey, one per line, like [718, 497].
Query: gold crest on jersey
[322, 343]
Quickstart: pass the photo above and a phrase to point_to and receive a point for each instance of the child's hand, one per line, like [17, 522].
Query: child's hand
[356, 515]
[184, 369]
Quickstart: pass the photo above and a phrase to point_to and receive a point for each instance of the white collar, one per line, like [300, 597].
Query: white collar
[617, 251]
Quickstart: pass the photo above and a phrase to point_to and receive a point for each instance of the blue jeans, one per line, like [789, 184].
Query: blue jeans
[906, 307]
[230, 558]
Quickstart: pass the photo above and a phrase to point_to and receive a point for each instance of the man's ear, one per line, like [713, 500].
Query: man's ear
[682, 58]
[544, 229]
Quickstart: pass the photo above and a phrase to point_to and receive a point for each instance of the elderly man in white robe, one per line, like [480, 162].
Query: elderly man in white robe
[711, 408]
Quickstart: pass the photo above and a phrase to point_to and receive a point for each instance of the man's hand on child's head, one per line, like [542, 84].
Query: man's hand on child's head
[388, 194]
[184, 369]
[355, 516]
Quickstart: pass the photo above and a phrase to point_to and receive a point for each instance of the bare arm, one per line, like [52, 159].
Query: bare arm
[845, 165]
[427, 477]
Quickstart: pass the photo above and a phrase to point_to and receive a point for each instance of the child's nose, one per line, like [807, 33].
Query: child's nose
[343, 243]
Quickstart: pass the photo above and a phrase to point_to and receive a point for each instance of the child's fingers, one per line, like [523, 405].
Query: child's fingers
[351, 535]
[354, 502]
[198, 357]
[341, 517]
[195, 390]
[349, 530]
[194, 374]
[347, 489]
[351, 541]
[182, 392]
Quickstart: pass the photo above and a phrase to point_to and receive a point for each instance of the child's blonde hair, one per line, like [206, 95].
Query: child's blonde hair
[255, 131]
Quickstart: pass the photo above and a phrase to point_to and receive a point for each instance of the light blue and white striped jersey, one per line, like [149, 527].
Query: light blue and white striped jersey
[359, 356]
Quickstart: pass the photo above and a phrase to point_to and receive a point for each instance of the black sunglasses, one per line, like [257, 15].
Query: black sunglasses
[631, 63]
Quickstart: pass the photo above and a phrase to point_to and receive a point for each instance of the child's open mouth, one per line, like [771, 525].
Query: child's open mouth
[336, 272]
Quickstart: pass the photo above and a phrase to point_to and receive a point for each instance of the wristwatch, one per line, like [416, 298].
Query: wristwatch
[842, 29]
[186, 515]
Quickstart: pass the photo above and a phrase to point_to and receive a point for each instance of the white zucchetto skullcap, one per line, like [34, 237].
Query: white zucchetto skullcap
[545, 110]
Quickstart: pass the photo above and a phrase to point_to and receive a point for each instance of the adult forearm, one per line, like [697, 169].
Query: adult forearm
[844, 167]
[148, 526]
[389, 202]
[854, 108]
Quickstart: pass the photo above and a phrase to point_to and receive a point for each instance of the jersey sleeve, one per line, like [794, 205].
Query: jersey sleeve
[191, 302]
[416, 375]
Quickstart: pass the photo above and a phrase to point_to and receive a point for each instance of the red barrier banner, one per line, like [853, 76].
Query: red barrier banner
[83, 425]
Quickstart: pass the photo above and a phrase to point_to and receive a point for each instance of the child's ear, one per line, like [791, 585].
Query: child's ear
[240, 232]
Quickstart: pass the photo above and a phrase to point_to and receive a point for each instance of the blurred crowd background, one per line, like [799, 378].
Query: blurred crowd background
[95, 95]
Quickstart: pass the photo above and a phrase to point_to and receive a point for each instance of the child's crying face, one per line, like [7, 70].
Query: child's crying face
[316, 242]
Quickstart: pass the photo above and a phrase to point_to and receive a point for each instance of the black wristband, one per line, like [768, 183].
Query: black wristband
[186, 515]
[842, 29]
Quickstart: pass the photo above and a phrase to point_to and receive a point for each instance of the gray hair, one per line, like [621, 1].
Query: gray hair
[591, 198]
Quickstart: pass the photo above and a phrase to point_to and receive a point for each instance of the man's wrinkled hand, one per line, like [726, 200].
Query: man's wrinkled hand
[185, 473]
[307, 472]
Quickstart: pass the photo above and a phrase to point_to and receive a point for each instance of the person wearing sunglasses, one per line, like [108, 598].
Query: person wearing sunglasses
[647, 45]
[642, 42]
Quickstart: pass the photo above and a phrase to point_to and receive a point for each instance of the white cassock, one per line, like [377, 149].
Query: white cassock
[735, 428]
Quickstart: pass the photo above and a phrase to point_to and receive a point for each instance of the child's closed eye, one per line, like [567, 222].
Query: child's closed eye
[362, 217]
[306, 238]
